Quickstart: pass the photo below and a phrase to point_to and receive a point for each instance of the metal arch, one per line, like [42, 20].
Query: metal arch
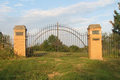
[71, 29]
[44, 29]
[51, 30]
[56, 27]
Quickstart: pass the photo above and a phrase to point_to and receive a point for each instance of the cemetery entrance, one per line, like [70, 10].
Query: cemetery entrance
[57, 40]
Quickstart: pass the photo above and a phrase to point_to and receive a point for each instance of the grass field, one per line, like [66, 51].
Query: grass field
[58, 54]
[69, 66]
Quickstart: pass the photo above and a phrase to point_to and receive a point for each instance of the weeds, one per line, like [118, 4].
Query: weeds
[62, 68]
[7, 53]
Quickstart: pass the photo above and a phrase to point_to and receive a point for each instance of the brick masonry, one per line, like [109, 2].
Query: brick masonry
[95, 42]
[20, 40]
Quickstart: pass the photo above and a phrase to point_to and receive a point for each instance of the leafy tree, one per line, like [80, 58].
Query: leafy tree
[116, 23]
[105, 38]
[7, 51]
[45, 45]
[63, 48]
[5, 40]
[36, 47]
[52, 44]
[52, 47]
[74, 48]
[41, 47]
[52, 39]
[116, 26]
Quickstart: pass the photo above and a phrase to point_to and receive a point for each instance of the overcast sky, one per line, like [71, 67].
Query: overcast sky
[35, 14]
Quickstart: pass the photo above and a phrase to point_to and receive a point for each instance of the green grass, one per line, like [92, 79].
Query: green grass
[69, 67]
[112, 53]
[58, 54]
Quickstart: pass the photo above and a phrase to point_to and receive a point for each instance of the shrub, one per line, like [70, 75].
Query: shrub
[7, 53]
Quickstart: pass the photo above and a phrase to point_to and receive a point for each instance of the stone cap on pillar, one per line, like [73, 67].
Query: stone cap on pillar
[20, 27]
[94, 26]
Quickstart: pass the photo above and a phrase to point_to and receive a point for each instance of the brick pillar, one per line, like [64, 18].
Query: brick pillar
[95, 41]
[20, 40]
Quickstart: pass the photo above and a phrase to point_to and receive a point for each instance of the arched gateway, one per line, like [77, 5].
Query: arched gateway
[58, 38]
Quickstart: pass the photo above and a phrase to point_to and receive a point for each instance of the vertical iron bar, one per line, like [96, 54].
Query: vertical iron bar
[57, 39]
[102, 46]
[44, 37]
[113, 45]
[55, 35]
[40, 40]
[73, 37]
[28, 44]
[31, 43]
[87, 44]
[109, 46]
[116, 46]
[79, 42]
[34, 43]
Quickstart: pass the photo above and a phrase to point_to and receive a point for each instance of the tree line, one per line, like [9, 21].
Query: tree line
[54, 44]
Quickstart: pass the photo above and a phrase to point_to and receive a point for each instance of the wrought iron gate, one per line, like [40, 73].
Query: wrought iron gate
[57, 38]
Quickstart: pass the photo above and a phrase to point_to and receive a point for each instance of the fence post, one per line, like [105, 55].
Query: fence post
[95, 41]
[20, 40]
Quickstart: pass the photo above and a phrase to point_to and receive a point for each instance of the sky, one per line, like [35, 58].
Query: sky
[35, 14]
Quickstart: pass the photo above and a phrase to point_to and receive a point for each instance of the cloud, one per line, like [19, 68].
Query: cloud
[74, 15]
[5, 9]
[81, 7]
[106, 26]
[6, 2]
[19, 4]
[80, 21]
